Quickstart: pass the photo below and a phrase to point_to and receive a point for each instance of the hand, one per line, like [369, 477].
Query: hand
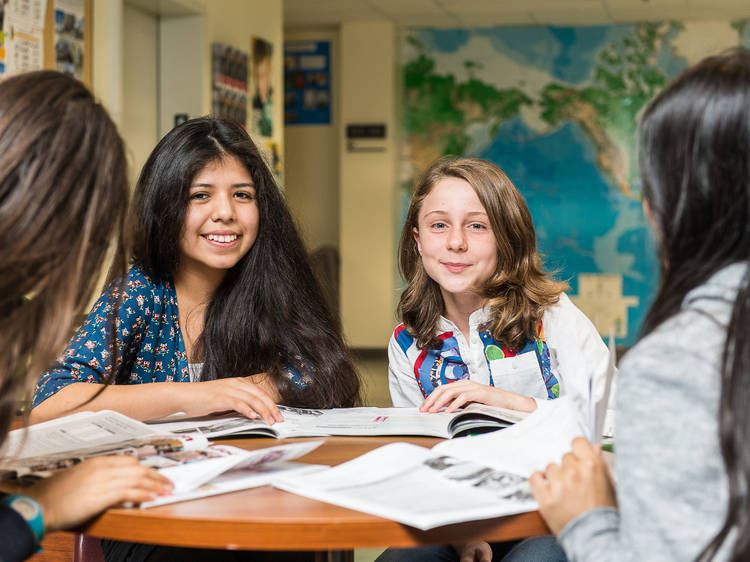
[478, 551]
[240, 394]
[460, 393]
[74, 495]
[580, 484]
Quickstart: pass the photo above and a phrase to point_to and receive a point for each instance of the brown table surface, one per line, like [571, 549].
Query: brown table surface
[269, 519]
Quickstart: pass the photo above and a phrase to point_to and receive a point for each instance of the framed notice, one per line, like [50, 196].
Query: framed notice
[307, 83]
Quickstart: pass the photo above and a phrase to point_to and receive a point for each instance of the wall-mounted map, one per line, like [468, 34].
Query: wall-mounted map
[556, 108]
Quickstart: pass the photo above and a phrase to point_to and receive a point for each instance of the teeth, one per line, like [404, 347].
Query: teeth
[222, 237]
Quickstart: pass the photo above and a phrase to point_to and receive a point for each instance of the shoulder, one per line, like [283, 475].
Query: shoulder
[565, 317]
[401, 339]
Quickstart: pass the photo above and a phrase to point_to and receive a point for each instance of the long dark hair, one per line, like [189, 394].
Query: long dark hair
[269, 312]
[63, 193]
[695, 166]
[518, 292]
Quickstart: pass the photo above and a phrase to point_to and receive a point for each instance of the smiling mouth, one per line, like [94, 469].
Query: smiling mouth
[221, 238]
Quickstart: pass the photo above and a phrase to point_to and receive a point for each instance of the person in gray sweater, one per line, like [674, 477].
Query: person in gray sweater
[682, 469]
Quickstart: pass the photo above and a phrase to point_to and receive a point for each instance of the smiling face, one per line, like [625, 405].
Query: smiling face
[455, 240]
[221, 220]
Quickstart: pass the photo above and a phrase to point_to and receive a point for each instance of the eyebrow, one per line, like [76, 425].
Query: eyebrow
[442, 212]
[234, 185]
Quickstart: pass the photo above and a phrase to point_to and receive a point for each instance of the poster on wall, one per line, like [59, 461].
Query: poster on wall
[262, 76]
[229, 83]
[69, 20]
[307, 83]
[21, 43]
[2, 37]
[274, 159]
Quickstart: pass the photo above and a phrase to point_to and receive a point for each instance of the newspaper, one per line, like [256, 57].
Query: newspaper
[469, 478]
[302, 422]
[189, 461]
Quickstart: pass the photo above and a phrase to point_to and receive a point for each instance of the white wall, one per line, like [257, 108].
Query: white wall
[311, 161]
[368, 184]
[140, 88]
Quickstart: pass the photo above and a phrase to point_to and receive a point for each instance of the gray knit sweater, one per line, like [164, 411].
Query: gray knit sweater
[671, 483]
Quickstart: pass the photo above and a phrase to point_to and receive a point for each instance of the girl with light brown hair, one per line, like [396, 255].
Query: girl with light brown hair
[482, 321]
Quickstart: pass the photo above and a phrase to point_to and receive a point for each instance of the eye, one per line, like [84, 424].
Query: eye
[198, 196]
[246, 195]
[477, 226]
[438, 225]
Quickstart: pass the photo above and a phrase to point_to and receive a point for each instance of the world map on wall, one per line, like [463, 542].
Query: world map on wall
[557, 109]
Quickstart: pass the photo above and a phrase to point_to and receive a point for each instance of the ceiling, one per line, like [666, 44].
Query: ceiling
[490, 13]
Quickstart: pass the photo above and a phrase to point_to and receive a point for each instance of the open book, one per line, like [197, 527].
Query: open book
[476, 477]
[301, 422]
[193, 465]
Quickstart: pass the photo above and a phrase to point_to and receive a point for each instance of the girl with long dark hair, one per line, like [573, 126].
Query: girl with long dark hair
[63, 195]
[682, 468]
[220, 294]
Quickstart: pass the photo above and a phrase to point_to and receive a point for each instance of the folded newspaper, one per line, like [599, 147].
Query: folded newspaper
[196, 467]
[475, 477]
[302, 422]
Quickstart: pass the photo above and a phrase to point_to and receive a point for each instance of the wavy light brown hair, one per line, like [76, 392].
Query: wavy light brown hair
[517, 293]
[63, 194]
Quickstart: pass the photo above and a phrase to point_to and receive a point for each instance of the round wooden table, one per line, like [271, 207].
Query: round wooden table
[269, 519]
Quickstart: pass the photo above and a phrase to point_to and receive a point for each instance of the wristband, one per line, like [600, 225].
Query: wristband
[28, 508]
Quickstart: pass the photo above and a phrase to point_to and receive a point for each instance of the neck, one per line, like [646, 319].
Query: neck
[198, 285]
[458, 308]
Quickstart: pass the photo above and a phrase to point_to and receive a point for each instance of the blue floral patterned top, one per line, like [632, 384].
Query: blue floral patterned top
[149, 340]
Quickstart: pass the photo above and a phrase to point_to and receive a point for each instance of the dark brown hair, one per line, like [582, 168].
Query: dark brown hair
[269, 312]
[63, 193]
[695, 169]
[517, 293]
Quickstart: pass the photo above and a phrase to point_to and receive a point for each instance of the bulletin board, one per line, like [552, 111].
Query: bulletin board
[51, 34]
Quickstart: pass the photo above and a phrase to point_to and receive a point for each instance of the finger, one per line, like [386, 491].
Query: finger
[262, 402]
[582, 448]
[460, 401]
[569, 459]
[430, 400]
[447, 396]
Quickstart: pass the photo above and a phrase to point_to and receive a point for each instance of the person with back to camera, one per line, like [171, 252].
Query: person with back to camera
[482, 321]
[682, 470]
[63, 196]
[220, 309]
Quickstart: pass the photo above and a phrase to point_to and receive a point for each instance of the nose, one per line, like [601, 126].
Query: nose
[457, 240]
[223, 209]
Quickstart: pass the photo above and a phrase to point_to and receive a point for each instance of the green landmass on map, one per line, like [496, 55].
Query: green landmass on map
[439, 109]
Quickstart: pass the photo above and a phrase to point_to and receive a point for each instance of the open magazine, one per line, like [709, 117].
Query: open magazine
[475, 477]
[302, 422]
[189, 461]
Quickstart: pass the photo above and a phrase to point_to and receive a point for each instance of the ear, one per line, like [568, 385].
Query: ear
[415, 233]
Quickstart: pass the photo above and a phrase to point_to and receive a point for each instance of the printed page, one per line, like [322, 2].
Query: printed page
[530, 445]
[239, 479]
[414, 486]
[299, 422]
[189, 470]
[78, 432]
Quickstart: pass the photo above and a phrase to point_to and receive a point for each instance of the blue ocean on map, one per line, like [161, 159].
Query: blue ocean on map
[574, 209]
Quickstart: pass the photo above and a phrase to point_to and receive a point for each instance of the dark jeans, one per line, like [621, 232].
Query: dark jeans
[535, 549]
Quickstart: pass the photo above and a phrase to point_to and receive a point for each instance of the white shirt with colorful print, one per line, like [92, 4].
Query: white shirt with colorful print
[566, 352]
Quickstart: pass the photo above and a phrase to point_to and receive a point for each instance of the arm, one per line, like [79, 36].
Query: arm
[78, 375]
[250, 396]
[671, 486]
